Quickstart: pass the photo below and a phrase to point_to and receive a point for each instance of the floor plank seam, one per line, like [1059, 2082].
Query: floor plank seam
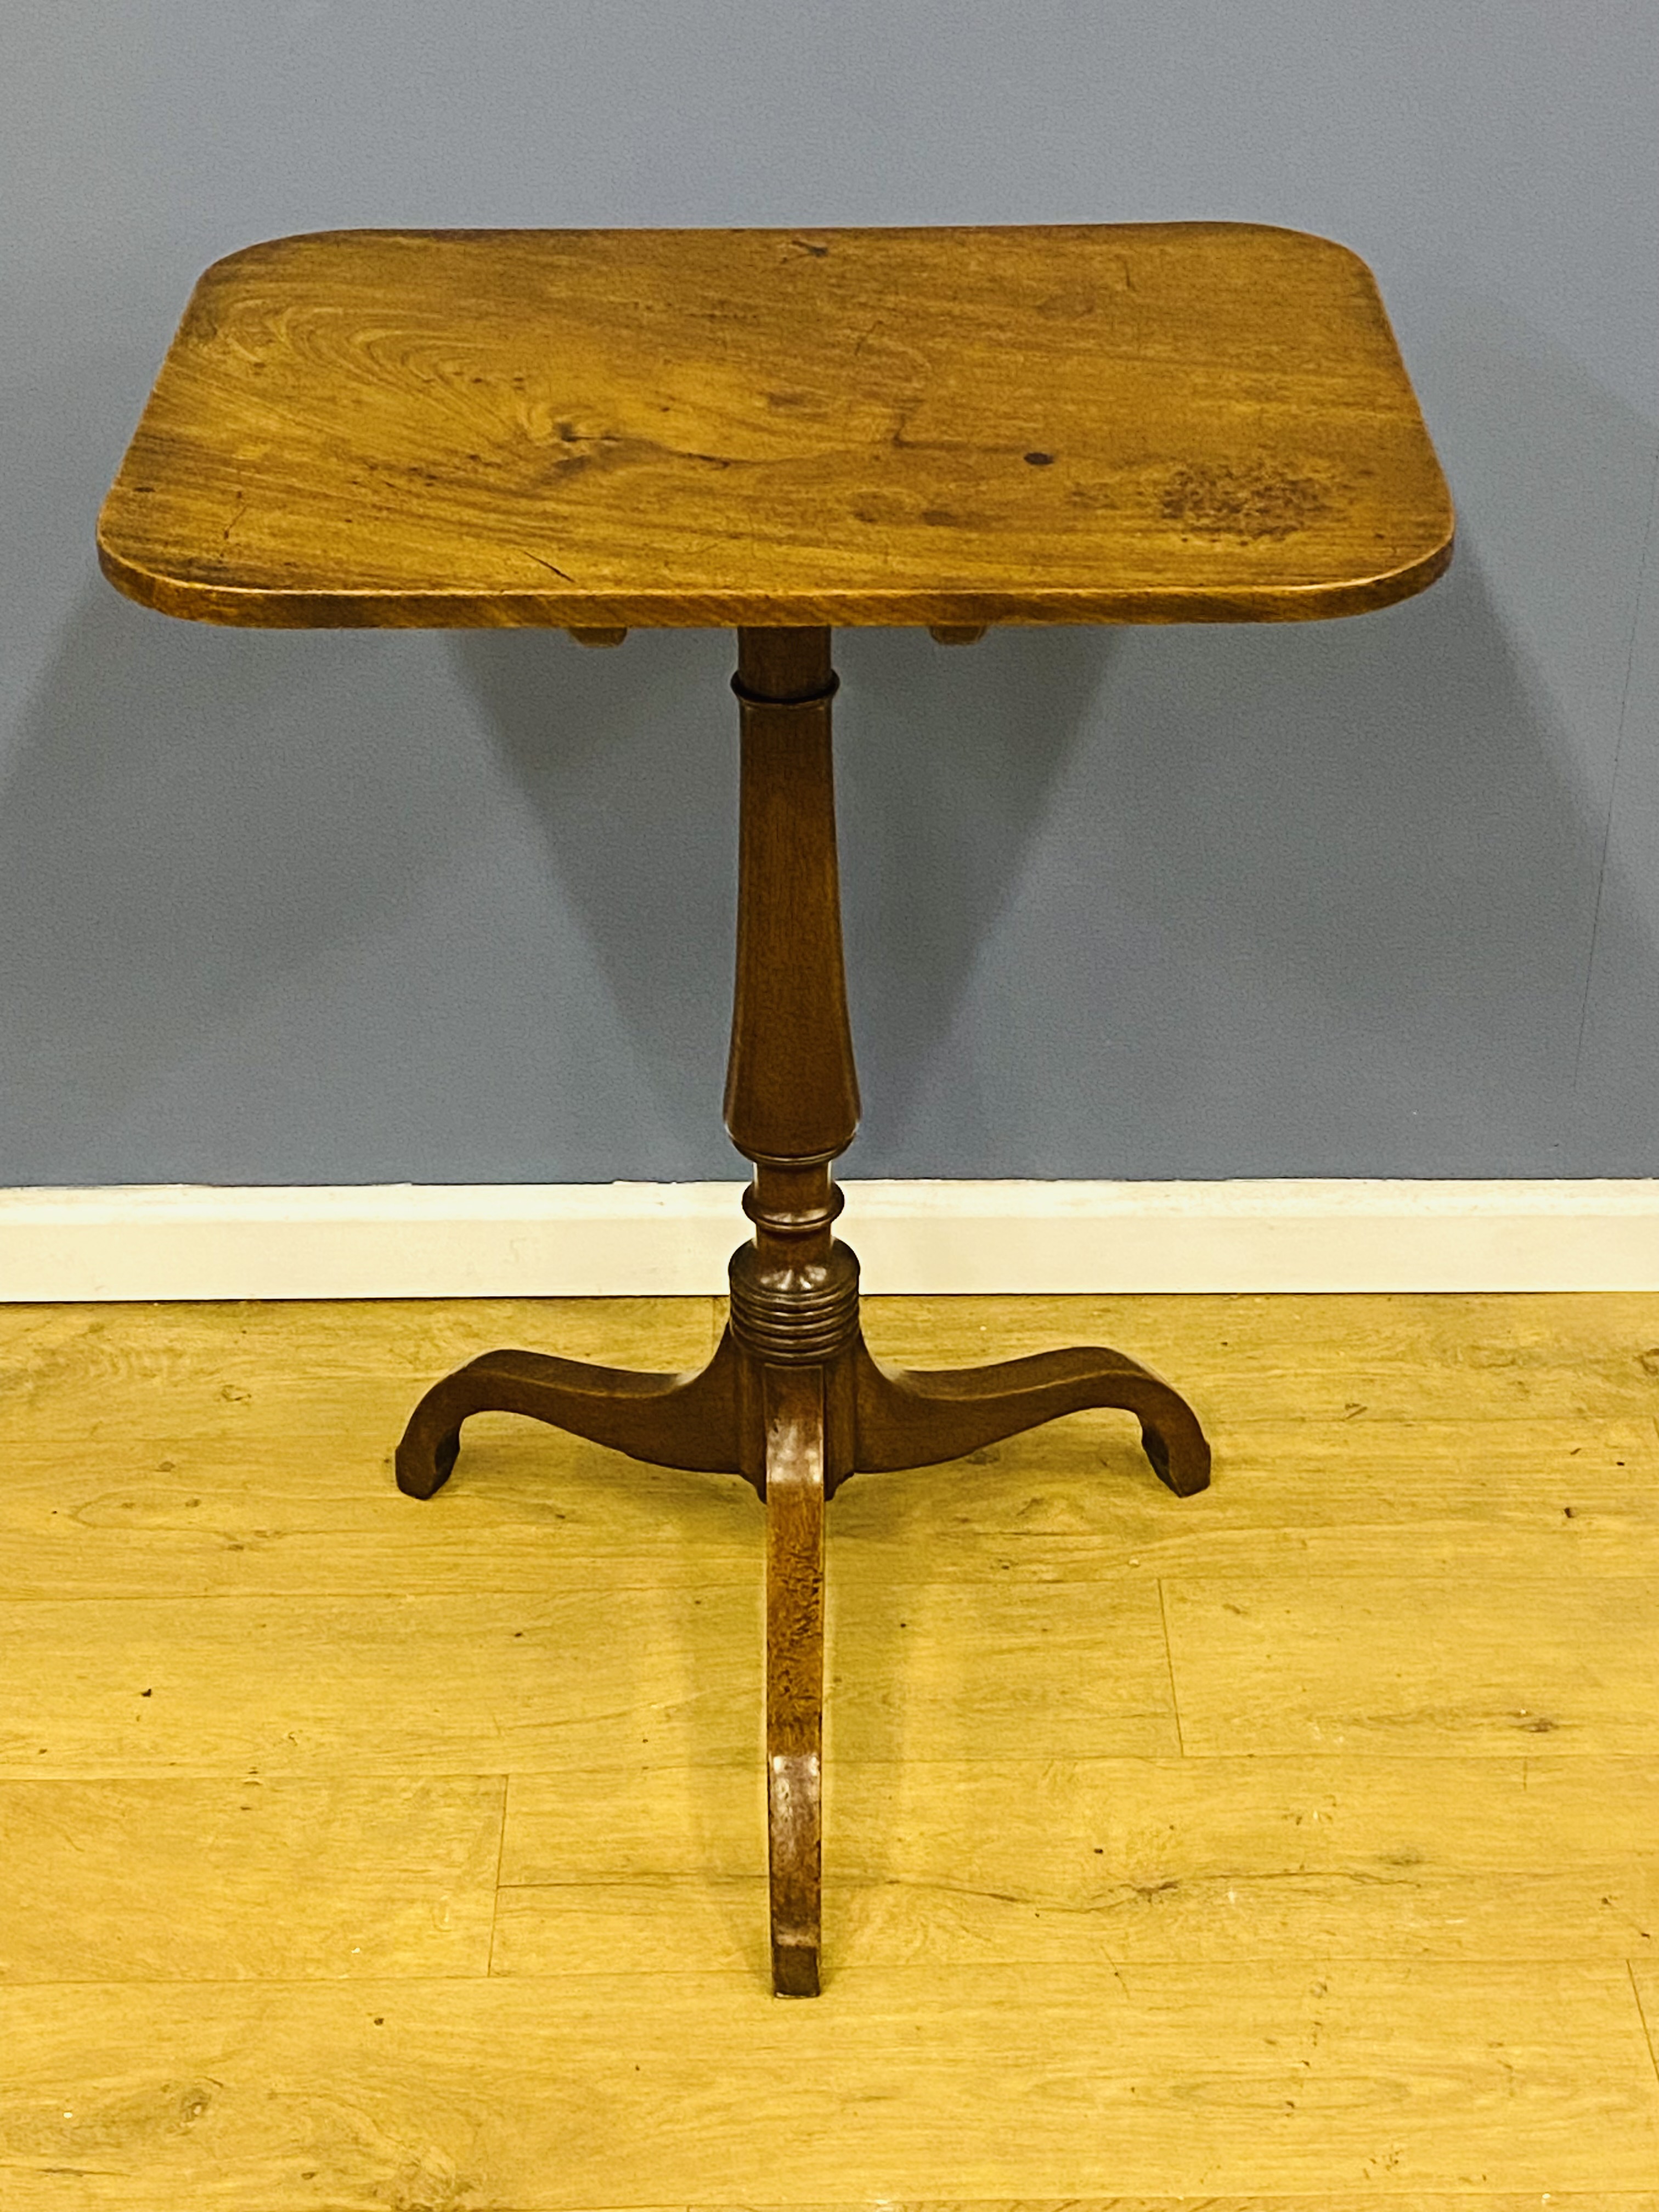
[1169, 1661]
[495, 1895]
[1319, 1959]
[1642, 2015]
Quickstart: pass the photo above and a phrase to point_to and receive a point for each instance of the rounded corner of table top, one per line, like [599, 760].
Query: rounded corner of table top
[154, 589]
[1431, 568]
[260, 253]
[1406, 580]
[130, 577]
[1317, 242]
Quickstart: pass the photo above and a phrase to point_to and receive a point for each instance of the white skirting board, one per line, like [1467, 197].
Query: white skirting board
[622, 1240]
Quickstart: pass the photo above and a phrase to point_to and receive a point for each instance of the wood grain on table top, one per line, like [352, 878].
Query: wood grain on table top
[1084, 423]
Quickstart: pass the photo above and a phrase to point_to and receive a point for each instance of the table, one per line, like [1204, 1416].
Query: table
[782, 432]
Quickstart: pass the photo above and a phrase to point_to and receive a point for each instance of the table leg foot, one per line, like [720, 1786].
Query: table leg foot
[793, 1413]
[671, 1420]
[908, 1418]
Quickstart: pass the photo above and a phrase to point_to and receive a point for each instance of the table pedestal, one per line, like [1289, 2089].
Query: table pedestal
[793, 1400]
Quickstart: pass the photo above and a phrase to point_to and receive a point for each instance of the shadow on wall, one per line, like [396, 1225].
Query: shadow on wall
[1182, 852]
[1561, 477]
[623, 761]
[952, 760]
[1176, 854]
[945, 758]
[1373, 827]
[1297, 899]
[1382, 807]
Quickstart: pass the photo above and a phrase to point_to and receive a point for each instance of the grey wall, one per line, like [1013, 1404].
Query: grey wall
[1377, 896]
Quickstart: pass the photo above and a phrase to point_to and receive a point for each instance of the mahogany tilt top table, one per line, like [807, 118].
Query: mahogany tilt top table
[782, 431]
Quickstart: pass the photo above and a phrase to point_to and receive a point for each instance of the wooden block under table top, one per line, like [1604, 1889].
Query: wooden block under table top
[950, 426]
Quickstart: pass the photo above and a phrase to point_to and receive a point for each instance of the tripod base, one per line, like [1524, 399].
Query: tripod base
[797, 1427]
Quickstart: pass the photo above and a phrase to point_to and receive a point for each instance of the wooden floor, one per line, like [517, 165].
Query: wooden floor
[1297, 1842]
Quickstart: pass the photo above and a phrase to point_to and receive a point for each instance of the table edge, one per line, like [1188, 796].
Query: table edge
[260, 607]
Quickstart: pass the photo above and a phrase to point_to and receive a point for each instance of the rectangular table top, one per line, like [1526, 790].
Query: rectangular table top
[1055, 422]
